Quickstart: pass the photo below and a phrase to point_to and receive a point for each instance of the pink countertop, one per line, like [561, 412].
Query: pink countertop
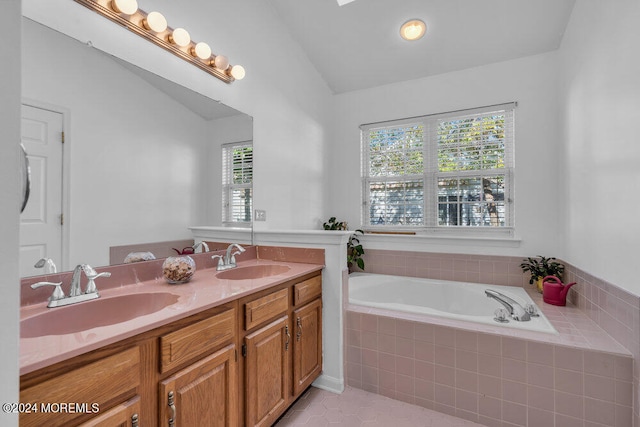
[204, 291]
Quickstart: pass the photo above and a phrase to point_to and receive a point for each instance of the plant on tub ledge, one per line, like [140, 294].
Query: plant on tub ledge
[354, 248]
[541, 267]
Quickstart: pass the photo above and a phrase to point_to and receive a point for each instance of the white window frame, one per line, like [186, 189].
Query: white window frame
[229, 187]
[431, 175]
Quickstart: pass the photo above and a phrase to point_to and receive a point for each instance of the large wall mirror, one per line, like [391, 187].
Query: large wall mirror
[141, 160]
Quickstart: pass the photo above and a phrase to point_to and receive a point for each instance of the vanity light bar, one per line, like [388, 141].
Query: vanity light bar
[153, 27]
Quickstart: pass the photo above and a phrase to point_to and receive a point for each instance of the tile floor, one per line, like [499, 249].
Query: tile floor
[356, 407]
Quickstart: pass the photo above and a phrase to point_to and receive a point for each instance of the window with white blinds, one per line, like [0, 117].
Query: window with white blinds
[237, 182]
[449, 170]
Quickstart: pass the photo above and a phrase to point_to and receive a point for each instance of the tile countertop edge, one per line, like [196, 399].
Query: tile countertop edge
[203, 292]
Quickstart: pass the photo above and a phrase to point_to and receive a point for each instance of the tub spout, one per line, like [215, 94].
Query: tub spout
[516, 311]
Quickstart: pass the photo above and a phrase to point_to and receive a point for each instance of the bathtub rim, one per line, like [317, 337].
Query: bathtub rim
[542, 325]
[609, 345]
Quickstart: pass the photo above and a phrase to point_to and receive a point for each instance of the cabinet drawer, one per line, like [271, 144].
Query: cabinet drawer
[100, 383]
[307, 290]
[124, 415]
[197, 339]
[265, 308]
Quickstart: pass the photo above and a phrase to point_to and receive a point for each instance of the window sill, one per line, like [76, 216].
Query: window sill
[429, 240]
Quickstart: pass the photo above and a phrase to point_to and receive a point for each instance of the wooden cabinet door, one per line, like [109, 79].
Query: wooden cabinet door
[307, 345]
[203, 394]
[266, 373]
[126, 414]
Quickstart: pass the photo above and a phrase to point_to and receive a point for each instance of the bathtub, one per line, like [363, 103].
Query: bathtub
[441, 298]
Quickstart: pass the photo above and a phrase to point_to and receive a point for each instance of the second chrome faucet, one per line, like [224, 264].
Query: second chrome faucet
[229, 259]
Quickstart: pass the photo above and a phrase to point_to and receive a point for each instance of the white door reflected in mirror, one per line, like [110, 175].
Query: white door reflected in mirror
[40, 222]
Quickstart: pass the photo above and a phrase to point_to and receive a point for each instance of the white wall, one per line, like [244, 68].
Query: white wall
[531, 81]
[601, 111]
[10, 24]
[289, 101]
[137, 156]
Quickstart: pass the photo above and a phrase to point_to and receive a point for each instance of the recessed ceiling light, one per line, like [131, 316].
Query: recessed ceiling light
[413, 29]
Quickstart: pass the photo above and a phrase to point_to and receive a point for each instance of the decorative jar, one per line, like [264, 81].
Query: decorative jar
[178, 269]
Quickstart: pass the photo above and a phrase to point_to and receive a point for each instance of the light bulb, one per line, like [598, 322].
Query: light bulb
[221, 62]
[237, 72]
[128, 7]
[155, 21]
[201, 50]
[413, 29]
[181, 37]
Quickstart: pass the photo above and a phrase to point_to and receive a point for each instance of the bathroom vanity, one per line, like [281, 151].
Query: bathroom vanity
[230, 352]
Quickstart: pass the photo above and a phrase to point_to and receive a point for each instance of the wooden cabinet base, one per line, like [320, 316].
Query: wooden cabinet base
[242, 363]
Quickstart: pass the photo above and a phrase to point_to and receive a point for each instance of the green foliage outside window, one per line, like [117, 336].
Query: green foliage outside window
[469, 172]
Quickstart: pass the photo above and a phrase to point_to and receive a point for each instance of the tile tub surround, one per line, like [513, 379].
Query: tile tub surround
[497, 270]
[492, 379]
[616, 311]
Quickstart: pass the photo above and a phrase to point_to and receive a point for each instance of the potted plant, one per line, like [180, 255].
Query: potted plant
[354, 248]
[540, 267]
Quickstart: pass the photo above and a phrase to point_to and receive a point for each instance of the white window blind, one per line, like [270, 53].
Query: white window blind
[440, 171]
[237, 182]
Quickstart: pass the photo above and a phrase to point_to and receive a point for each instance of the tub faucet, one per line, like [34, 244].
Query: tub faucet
[516, 311]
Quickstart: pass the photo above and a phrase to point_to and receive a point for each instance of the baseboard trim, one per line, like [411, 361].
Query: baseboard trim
[325, 382]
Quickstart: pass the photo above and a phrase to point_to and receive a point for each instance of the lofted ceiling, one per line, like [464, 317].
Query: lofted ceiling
[358, 46]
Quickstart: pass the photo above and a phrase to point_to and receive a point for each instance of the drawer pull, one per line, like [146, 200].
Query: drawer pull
[134, 420]
[299, 332]
[172, 406]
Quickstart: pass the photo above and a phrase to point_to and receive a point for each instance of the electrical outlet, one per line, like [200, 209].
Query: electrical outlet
[260, 215]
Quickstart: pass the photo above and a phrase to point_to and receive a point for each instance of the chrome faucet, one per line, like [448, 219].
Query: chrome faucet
[205, 247]
[74, 289]
[229, 259]
[516, 311]
[59, 299]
